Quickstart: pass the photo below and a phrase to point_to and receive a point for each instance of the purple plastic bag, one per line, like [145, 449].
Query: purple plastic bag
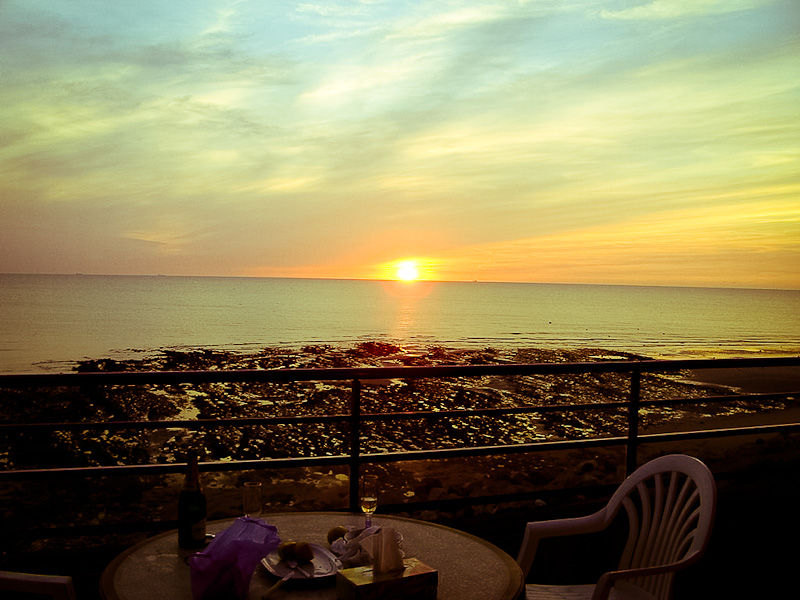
[224, 568]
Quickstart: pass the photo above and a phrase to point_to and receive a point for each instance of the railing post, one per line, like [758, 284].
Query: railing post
[355, 443]
[633, 422]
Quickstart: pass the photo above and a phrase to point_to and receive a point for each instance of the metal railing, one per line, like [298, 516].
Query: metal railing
[355, 418]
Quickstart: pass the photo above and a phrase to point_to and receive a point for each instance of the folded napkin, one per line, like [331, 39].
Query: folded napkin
[224, 568]
[377, 545]
[348, 549]
[386, 553]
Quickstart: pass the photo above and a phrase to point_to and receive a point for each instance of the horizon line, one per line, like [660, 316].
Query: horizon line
[412, 282]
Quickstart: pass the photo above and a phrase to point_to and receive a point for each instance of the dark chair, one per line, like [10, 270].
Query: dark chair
[19, 586]
[670, 502]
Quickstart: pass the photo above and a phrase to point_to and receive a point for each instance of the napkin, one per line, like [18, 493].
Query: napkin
[386, 551]
[377, 545]
[224, 568]
[349, 549]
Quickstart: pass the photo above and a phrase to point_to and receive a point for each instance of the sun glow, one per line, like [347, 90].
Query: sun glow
[407, 270]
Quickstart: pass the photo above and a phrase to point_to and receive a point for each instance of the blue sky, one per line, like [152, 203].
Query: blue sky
[595, 142]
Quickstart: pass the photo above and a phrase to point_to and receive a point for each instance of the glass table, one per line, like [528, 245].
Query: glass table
[469, 567]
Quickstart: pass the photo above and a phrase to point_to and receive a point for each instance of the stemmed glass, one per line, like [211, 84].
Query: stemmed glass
[368, 497]
[251, 498]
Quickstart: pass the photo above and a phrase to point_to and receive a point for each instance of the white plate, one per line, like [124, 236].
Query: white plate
[323, 564]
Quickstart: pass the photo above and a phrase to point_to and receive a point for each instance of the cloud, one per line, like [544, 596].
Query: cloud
[226, 18]
[443, 23]
[701, 246]
[676, 9]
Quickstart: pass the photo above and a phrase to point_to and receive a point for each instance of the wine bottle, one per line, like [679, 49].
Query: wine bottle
[192, 508]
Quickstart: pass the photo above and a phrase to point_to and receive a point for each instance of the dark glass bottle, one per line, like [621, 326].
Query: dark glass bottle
[192, 508]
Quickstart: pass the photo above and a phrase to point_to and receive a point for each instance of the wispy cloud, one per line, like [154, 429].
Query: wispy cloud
[675, 9]
[698, 246]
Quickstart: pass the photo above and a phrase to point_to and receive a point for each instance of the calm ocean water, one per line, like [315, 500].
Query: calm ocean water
[49, 321]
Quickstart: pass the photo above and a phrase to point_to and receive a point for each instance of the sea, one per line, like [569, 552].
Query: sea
[49, 322]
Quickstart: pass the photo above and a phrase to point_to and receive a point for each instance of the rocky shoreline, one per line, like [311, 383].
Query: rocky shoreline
[253, 399]
[109, 499]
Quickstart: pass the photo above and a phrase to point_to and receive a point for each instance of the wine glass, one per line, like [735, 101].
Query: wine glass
[369, 497]
[251, 498]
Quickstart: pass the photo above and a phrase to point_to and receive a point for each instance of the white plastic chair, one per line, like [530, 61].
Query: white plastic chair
[670, 502]
[20, 585]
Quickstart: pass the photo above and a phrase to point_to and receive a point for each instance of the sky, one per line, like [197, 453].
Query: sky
[648, 142]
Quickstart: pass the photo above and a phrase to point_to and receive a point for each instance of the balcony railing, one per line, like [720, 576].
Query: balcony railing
[355, 418]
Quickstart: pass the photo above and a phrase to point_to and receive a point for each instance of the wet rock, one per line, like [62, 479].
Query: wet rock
[316, 349]
[376, 349]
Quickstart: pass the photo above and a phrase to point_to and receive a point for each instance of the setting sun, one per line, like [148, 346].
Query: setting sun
[407, 270]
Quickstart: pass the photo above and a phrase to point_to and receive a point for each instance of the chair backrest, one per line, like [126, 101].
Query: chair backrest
[670, 502]
[29, 585]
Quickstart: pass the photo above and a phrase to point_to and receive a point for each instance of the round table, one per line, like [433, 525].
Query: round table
[469, 568]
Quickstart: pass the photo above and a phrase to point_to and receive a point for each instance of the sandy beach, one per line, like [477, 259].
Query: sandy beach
[752, 380]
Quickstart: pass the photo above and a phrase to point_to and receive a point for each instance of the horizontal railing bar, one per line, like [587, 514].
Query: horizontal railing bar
[161, 469]
[546, 408]
[443, 453]
[700, 434]
[169, 468]
[488, 412]
[721, 399]
[245, 422]
[177, 424]
[389, 416]
[368, 373]
[376, 458]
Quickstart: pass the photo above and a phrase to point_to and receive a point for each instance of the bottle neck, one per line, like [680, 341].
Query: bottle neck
[192, 481]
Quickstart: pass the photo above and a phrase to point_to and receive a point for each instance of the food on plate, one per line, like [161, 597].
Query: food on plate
[335, 533]
[304, 552]
[301, 552]
[286, 550]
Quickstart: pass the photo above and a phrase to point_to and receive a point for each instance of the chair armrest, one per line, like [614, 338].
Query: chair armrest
[536, 530]
[559, 527]
[607, 580]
